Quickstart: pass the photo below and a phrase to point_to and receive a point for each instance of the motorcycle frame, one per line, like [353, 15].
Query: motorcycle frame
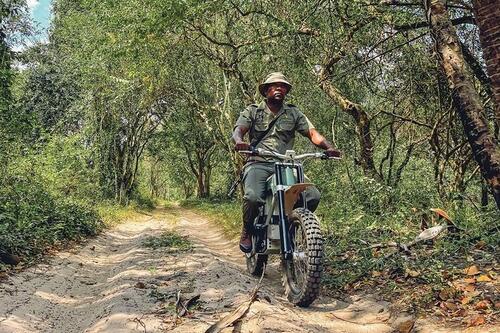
[278, 201]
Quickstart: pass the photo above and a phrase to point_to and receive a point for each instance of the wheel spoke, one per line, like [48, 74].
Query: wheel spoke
[299, 260]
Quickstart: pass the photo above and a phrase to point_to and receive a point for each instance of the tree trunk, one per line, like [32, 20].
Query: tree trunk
[465, 97]
[361, 120]
[487, 14]
[203, 180]
[201, 192]
[484, 195]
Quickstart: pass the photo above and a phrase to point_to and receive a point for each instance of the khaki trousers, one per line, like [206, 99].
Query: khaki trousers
[254, 185]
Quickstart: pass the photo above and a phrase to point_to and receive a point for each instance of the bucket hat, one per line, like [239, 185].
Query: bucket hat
[276, 77]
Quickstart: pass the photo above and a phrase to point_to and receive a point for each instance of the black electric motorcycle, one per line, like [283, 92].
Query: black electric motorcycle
[283, 228]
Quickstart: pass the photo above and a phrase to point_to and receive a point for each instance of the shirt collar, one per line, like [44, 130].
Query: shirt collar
[263, 106]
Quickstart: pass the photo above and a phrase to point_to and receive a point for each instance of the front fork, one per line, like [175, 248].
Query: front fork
[286, 246]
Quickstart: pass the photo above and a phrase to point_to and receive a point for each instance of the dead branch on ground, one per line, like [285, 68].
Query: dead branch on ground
[240, 311]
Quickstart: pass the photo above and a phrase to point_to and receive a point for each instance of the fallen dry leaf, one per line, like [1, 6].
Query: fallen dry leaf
[406, 326]
[472, 270]
[412, 273]
[472, 294]
[376, 274]
[476, 321]
[466, 300]
[482, 305]
[441, 213]
[460, 313]
[450, 306]
[469, 288]
[430, 233]
[445, 294]
[480, 244]
[484, 278]
[442, 305]
[469, 280]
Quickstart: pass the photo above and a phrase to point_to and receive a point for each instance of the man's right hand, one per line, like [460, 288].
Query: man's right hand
[332, 152]
[241, 145]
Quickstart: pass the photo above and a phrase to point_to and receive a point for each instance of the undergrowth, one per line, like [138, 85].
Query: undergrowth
[226, 214]
[170, 240]
[33, 219]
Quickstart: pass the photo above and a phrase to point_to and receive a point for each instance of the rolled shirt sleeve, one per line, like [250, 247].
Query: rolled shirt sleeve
[303, 124]
[245, 119]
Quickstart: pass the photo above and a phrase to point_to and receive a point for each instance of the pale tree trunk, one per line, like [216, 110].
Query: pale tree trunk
[465, 97]
[487, 14]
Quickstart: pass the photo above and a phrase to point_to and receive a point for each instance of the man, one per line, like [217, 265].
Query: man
[255, 120]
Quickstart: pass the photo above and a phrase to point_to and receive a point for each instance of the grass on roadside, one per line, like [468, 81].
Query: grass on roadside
[170, 240]
[226, 214]
[112, 214]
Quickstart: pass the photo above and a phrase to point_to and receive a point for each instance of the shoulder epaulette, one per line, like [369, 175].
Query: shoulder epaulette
[252, 107]
[291, 105]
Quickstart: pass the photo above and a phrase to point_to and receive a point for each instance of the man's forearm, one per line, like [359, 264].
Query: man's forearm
[319, 140]
[238, 134]
[324, 144]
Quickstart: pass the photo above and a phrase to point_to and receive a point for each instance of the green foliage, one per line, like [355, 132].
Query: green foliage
[170, 240]
[46, 199]
[32, 218]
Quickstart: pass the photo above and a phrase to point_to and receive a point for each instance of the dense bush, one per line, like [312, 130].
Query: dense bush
[46, 198]
[32, 219]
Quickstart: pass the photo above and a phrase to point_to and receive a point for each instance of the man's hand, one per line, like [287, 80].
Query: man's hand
[319, 141]
[241, 145]
[332, 152]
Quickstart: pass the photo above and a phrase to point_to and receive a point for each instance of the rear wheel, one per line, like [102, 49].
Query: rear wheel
[302, 273]
[256, 263]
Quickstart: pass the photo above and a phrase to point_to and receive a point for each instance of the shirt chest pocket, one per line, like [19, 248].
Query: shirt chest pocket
[281, 125]
[285, 125]
[261, 126]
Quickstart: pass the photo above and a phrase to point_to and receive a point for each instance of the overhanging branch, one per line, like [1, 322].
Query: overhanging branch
[423, 24]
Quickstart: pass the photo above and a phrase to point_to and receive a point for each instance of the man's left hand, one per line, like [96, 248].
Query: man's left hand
[332, 152]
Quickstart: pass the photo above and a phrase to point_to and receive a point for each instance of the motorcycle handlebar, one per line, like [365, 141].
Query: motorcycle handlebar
[263, 152]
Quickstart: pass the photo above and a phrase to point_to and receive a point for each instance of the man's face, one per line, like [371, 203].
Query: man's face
[277, 91]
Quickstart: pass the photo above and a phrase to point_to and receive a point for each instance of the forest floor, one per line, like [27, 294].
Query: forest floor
[125, 280]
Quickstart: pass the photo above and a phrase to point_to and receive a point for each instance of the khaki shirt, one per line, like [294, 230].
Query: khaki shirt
[281, 137]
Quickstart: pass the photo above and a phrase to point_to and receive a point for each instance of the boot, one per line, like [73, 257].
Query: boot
[246, 239]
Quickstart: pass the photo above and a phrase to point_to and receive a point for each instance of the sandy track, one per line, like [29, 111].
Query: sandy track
[113, 284]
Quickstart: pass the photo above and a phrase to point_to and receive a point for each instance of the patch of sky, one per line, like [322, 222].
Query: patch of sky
[40, 16]
[40, 11]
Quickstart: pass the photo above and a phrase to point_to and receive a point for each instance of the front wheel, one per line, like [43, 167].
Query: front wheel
[302, 273]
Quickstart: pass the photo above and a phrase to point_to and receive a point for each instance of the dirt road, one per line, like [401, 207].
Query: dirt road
[115, 284]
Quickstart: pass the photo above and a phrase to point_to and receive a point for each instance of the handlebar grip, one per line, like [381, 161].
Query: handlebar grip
[252, 152]
[326, 157]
